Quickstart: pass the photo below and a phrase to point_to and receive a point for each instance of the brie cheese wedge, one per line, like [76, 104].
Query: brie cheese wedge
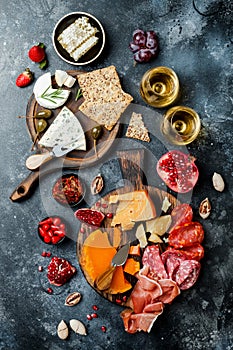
[65, 130]
[46, 96]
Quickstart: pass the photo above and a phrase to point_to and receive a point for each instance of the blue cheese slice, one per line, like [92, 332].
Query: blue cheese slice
[65, 130]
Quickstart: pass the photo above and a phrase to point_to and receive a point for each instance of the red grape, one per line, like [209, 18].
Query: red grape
[144, 45]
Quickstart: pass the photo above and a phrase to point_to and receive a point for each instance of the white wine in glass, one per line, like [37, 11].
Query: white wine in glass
[159, 87]
[181, 125]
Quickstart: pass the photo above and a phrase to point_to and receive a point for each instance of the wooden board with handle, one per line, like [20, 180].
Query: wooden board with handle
[75, 159]
[132, 171]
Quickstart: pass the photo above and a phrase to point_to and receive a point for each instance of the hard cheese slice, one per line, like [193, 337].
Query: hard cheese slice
[132, 207]
[65, 130]
[96, 254]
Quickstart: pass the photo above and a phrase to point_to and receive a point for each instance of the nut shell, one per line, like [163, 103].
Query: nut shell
[97, 184]
[218, 182]
[62, 330]
[73, 299]
[78, 327]
[205, 208]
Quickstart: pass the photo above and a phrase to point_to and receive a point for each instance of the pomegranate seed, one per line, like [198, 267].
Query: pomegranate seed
[109, 215]
[103, 329]
[47, 239]
[94, 315]
[40, 268]
[124, 298]
[95, 307]
[44, 254]
[49, 290]
[82, 230]
[98, 204]
[104, 205]
[118, 301]
[89, 317]
[48, 254]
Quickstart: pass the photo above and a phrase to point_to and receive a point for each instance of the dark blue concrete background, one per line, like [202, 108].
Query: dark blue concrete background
[199, 48]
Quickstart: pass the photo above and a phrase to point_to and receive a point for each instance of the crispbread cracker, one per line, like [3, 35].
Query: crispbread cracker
[106, 114]
[104, 99]
[100, 84]
[136, 128]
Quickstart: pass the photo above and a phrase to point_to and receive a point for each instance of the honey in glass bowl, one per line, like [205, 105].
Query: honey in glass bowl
[160, 87]
[181, 125]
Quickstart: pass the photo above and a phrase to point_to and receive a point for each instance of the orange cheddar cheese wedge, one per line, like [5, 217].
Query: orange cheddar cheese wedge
[96, 254]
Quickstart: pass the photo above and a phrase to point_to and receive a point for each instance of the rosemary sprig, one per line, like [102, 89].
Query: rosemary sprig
[78, 95]
[52, 96]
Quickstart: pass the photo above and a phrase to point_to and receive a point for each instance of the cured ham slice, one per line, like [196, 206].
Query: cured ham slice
[147, 301]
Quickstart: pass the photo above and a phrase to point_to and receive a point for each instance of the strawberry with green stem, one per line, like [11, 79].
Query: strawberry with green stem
[25, 78]
[37, 54]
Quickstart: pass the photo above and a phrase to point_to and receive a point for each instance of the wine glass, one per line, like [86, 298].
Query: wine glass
[159, 87]
[181, 125]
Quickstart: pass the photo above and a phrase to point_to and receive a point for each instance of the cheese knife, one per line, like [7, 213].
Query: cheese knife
[104, 280]
[35, 161]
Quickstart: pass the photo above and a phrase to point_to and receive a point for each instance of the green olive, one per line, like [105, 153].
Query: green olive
[44, 114]
[41, 125]
[96, 132]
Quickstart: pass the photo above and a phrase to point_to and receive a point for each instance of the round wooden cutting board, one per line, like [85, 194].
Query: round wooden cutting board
[131, 165]
[78, 158]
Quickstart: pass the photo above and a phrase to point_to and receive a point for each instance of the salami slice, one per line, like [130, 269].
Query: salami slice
[152, 258]
[194, 252]
[186, 235]
[181, 214]
[187, 274]
[171, 259]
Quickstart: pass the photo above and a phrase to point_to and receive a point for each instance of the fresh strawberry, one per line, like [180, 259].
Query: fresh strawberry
[25, 78]
[37, 54]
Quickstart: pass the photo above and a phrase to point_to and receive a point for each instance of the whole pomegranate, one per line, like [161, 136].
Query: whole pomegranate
[178, 171]
[60, 271]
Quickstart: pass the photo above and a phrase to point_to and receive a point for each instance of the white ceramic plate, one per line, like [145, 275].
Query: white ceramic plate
[93, 53]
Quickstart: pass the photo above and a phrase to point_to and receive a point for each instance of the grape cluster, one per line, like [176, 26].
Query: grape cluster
[145, 45]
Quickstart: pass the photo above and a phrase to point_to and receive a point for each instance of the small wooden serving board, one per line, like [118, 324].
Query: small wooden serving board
[132, 171]
[78, 158]
[75, 159]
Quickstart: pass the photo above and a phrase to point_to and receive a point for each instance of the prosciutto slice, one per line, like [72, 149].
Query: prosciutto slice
[147, 301]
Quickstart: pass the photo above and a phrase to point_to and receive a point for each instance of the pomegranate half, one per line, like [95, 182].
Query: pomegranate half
[60, 271]
[178, 171]
[90, 216]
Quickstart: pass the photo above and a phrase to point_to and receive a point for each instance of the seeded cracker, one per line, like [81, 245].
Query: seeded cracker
[137, 129]
[105, 100]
